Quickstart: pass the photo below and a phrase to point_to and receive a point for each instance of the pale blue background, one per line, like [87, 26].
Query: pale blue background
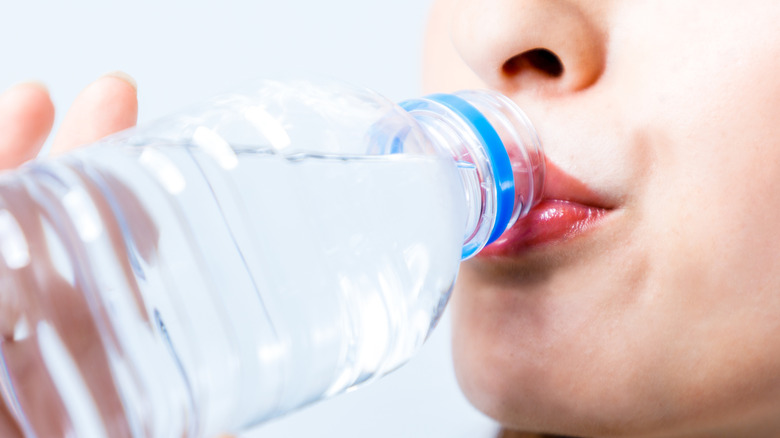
[186, 50]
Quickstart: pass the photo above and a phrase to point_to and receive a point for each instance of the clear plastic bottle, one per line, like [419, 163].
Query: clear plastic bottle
[246, 257]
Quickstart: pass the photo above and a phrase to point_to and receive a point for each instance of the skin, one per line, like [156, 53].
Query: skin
[106, 106]
[26, 116]
[662, 320]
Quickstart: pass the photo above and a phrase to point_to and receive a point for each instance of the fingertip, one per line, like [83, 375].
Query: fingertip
[26, 118]
[118, 74]
[30, 85]
[115, 91]
[107, 105]
[29, 97]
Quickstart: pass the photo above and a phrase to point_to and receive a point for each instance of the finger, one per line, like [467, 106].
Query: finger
[8, 425]
[39, 407]
[106, 106]
[26, 117]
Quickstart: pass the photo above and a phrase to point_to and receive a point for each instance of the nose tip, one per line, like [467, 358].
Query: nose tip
[549, 46]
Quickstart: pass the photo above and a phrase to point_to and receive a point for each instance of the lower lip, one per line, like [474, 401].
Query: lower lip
[550, 222]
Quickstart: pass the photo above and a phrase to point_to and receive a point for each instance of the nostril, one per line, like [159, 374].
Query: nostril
[541, 60]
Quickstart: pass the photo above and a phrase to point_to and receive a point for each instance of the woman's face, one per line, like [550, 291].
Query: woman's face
[649, 304]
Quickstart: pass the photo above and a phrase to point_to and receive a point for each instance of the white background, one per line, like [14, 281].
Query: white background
[181, 52]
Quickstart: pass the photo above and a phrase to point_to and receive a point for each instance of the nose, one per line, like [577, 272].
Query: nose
[551, 47]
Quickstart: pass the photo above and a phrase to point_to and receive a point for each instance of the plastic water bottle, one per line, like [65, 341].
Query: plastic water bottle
[243, 258]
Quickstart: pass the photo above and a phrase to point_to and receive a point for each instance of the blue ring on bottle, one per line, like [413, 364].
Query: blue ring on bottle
[496, 151]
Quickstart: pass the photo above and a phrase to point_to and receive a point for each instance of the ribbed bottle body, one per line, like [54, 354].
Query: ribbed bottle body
[226, 265]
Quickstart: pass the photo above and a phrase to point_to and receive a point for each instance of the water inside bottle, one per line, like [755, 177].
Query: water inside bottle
[259, 282]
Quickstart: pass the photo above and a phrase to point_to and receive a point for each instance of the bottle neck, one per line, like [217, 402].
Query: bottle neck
[498, 155]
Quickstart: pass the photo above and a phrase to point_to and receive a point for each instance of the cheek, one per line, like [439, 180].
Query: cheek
[707, 212]
[713, 283]
[709, 226]
[710, 207]
[713, 235]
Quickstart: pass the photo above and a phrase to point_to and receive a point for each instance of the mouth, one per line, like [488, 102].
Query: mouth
[568, 210]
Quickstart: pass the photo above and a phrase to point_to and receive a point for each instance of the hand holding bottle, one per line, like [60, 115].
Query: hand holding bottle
[26, 117]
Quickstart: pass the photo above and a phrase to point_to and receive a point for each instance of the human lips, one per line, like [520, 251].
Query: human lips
[567, 210]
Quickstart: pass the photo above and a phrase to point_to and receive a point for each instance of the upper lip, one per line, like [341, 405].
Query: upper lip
[559, 185]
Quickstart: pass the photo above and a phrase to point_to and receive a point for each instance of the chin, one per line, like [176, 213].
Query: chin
[547, 362]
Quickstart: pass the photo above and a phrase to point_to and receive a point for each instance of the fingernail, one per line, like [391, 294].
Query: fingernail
[31, 83]
[123, 76]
